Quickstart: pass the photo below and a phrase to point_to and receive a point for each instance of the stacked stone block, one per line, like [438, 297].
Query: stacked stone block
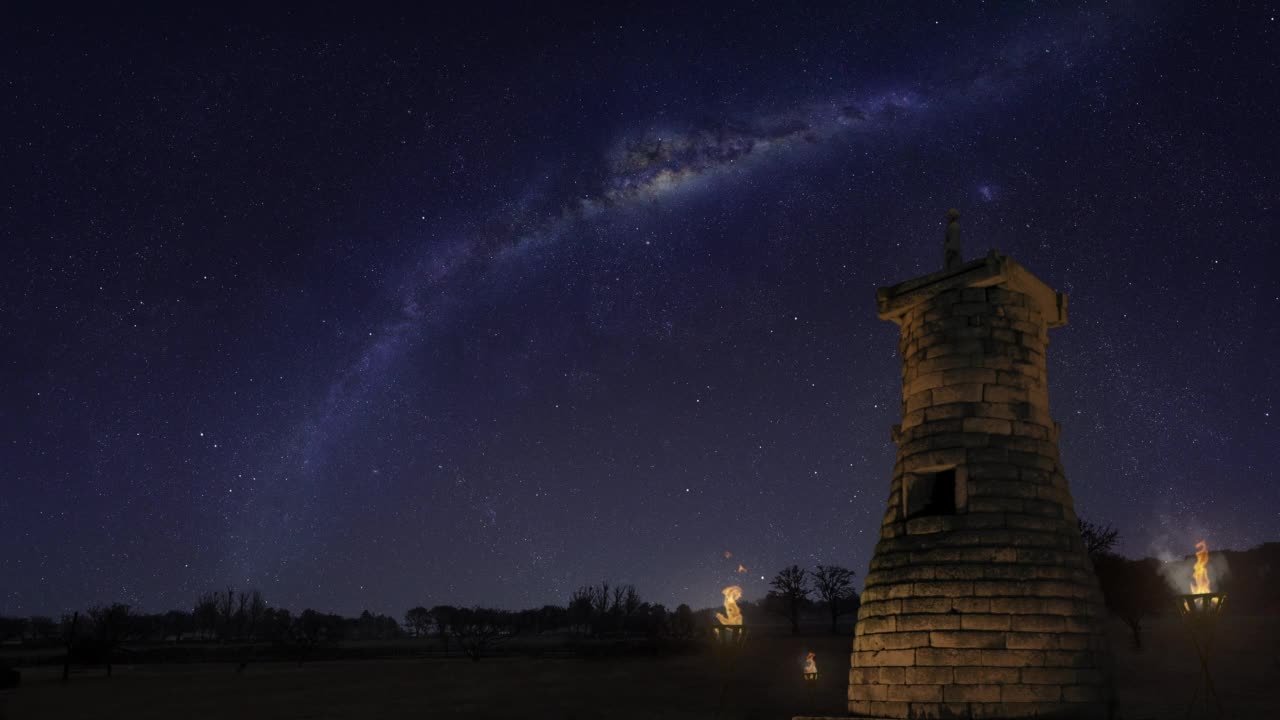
[988, 609]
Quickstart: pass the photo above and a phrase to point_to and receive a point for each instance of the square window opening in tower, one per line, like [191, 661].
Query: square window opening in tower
[931, 494]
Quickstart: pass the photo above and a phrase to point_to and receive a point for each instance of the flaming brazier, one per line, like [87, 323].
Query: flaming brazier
[1200, 610]
[980, 601]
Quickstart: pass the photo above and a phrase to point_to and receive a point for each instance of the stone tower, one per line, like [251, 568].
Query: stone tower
[980, 601]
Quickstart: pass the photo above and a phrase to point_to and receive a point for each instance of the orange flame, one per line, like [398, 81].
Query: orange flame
[741, 569]
[732, 615]
[811, 665]
[1200, 582]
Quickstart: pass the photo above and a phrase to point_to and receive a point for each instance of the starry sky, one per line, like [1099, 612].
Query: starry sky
[478, 306]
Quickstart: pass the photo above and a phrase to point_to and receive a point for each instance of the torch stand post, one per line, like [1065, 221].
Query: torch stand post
[1200, 613]
[811, 690]
[727, 641]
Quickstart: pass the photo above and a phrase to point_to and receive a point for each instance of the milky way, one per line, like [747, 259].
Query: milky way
[648, 167]
[641, 171]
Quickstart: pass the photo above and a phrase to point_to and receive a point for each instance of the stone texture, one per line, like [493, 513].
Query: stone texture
[993, 611]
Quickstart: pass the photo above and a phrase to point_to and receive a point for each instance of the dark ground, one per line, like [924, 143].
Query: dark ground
[1155, 683]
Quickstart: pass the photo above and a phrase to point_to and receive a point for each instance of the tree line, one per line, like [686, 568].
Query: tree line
[1134, 590]
[244, 617]
[96, 635]
[831, 584]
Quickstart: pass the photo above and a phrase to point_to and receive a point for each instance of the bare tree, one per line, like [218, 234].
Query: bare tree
[205, 614]
[110, 623]
[70, 626]
[257, 612]
[792, 586]
[241, 614]
[581, 607]
[630, 604]
[1098, 539]
[226, 613]
[478, 629]
[602, 599]
[615, 608]
[834, 585]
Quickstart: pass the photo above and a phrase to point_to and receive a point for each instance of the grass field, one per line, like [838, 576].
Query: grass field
[766, 683]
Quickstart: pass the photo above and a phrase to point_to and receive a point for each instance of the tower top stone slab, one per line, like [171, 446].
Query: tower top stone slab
[896, 301]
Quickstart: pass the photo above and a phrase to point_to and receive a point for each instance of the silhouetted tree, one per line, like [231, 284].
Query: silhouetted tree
[312, 628]
[626, 601]
[538, 620]
[582, 608]
[177, 624]
[1133, 589]
[370, 626]
[12, 628]
[655, 619]
[70, 629]
[418, 620]
[601, 609]
[240, 617]
[551, 617]
[110, 624]
[146, 627]
[276, 625]
[255, 611]
[604, 608]
[682, 625]
[1098, 539]
[43, 629]
[834, 585]
[205, 615]
[442, 616]
[792, 586]
[477, 629]
[226, 614]
[307, 630]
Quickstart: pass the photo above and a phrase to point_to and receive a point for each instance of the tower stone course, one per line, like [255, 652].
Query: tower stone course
[980, 601]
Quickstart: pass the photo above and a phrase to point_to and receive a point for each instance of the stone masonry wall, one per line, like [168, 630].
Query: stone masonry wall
[993, 612]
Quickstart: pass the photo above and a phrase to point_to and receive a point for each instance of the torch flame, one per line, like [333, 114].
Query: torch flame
[1200, 582]
[741, 569]
[811, 664]
[732, 615]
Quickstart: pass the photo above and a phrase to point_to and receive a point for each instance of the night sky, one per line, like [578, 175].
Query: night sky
[475, 309]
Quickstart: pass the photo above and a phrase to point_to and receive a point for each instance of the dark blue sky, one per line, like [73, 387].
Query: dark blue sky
[370, 313]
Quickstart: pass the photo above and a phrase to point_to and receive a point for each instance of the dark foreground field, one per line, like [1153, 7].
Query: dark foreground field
[1155, 683]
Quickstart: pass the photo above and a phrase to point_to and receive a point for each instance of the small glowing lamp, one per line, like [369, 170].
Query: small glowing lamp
[811, 668]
